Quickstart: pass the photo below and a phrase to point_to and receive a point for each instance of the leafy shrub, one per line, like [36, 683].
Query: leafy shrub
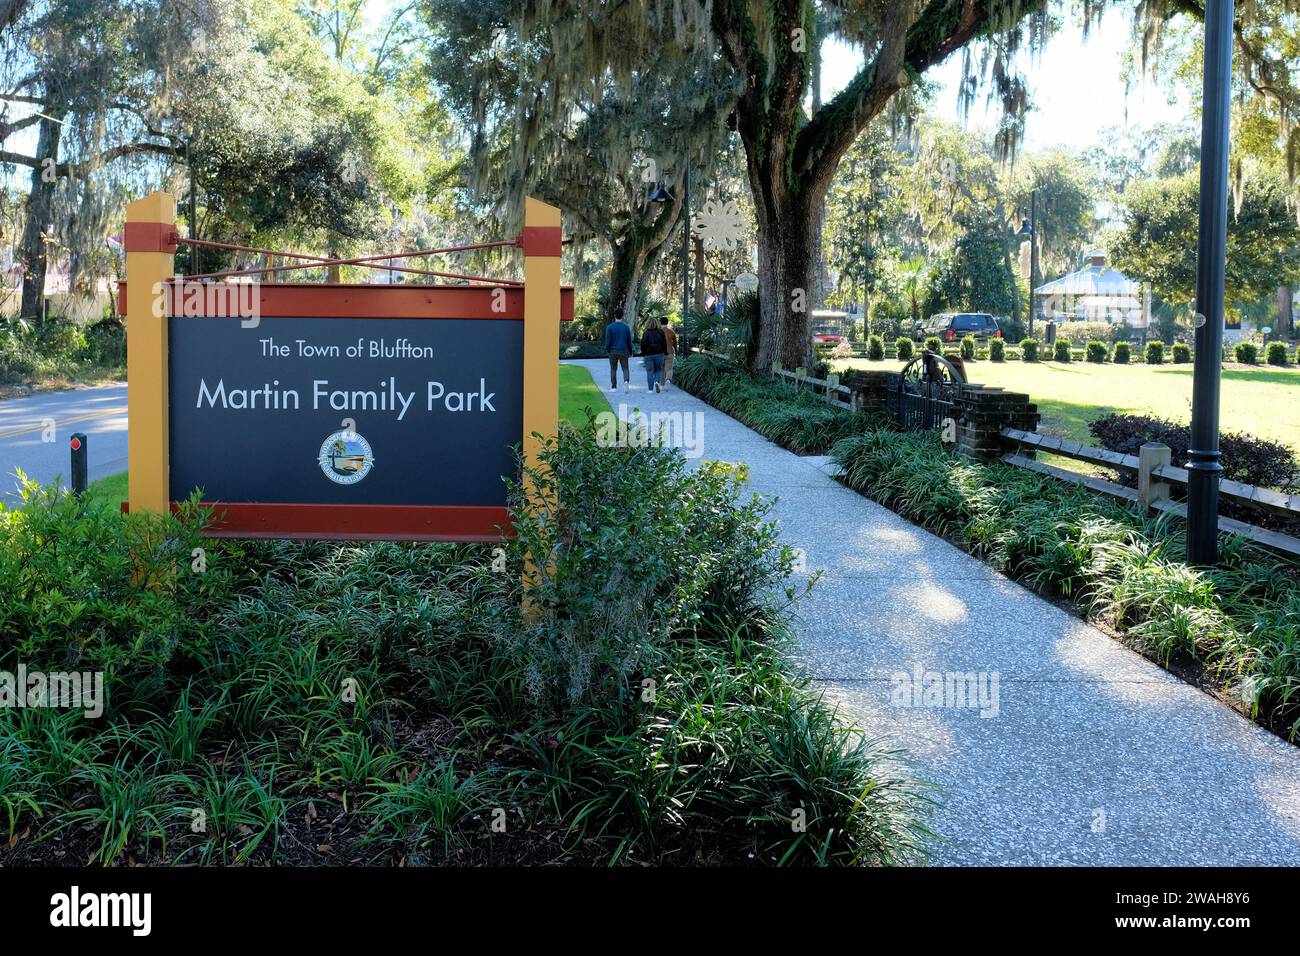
[1255, 461]
[733, 333]
[1277, 353]
[997, 350]
[459, 705]
[792, 417]
[1097, 352]
[60, 348]
[106, 344]
[968, 348]
[886, 315]
[1062, 351]
[60, 340]
[934, 344]
[614, 591]
[1121, 356]
[582, 350]
[1155, 353]
[88, 589]
[1079, 334]
[1029, 350]
[875, 348]
[1182, 353]
[678, 584]
[903, 346]
[1247, 353]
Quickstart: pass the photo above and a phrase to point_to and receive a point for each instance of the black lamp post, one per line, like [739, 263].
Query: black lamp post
[1203, 466]
[662, 195]
[1029, 229]
[194, 216]
[686, 244]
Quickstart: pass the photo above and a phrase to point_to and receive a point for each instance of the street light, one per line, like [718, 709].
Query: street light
[1029, 229]
[1203, 465]
[686, 242]
[660, 196]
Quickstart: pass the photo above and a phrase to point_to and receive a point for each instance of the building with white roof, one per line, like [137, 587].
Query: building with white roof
[1095, 293]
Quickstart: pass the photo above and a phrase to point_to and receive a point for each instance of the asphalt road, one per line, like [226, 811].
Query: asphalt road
[43, 454]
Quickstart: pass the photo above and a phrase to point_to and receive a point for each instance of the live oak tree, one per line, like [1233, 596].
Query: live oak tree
[1266, 96]
[791, 157]
[120, 93]
[1158, 239]
[600, 150]
[290, 145]
[1066, 204]
[92, 78]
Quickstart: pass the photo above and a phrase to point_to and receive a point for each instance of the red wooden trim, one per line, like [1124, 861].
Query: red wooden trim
[380, 301]
[356, 522]
[543, 241]
[149, 237]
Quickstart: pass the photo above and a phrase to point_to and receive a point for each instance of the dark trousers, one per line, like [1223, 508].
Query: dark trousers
[615, 360]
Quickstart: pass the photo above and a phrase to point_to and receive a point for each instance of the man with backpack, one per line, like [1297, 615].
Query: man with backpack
[654, 346]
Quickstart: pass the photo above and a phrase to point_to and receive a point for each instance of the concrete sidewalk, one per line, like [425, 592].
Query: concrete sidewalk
[1089, 754]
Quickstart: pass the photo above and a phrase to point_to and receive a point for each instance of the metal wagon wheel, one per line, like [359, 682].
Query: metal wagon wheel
[928, 389]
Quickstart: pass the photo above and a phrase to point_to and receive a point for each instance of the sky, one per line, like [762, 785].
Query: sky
[1077, 87]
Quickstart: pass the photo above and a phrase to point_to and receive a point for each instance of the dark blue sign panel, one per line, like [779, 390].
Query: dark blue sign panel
[345, 411]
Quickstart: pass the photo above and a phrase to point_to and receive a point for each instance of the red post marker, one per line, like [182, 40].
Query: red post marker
[78, 444]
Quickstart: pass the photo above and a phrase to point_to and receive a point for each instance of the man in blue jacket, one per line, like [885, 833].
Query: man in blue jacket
[618, 343]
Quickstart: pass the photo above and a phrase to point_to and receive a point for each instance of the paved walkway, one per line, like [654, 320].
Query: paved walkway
[1095, 755]
[99, 412]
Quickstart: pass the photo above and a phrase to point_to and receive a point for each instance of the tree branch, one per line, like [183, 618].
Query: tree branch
[906, 51]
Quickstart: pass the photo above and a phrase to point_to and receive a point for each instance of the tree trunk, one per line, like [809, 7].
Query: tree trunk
[787, 265]
[40, 215]
[626, 274]
[634, 253]
[1285, 320]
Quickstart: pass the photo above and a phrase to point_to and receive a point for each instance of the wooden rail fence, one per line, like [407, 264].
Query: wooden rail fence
[1155, 474]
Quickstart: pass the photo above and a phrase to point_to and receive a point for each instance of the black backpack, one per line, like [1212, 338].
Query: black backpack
[653, 342]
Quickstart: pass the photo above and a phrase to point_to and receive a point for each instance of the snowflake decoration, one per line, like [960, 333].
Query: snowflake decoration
[719, 224]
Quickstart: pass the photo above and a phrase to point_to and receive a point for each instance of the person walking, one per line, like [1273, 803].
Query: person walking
[618, 343]
[654, 345]
[670, 335]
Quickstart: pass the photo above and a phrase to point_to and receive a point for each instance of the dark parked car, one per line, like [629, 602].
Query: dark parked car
[955, 326]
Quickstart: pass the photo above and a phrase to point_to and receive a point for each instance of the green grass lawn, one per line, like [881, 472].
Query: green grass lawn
[111, 489]
[1260, 402]
[578, 392]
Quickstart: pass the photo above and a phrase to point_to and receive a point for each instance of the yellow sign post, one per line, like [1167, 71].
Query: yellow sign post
[148, 237]
[542, 247]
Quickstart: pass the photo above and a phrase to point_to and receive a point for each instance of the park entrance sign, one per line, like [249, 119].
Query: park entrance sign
[389, 412]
